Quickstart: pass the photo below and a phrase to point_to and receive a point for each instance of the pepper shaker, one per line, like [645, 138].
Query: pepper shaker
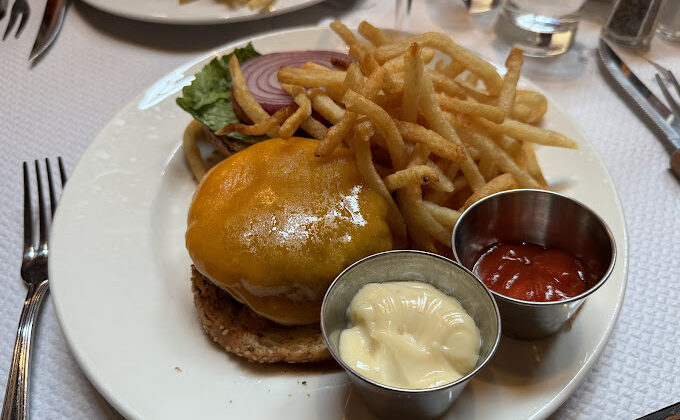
[632, 22]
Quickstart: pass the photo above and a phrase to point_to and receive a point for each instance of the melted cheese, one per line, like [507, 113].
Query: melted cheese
[409, 335]
[273, 225]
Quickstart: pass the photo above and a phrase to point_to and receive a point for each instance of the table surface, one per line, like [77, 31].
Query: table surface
[100, 62]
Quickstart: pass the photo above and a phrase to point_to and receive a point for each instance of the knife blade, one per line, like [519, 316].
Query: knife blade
[655, 111]
[55, 10]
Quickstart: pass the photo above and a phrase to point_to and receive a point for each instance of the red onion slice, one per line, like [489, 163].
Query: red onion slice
[260, 74]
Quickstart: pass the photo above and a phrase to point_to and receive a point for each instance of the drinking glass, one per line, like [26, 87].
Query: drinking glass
[401, 12]
[542, 28]
[480, 6]
[669, 22]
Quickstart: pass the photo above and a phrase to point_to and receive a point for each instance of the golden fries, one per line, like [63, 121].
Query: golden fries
[506, 97]
[191, 152]
[311, 77]
[490, 112]
[486, 72]
[260, 4]
[500, 183]
[413, 74]
[304, 111]
[526, 132]
[413, 175]
[385, 124]
[493, 154]
[444, 215]
[243, 96]
[271, 124]
[430, 139]
[435, 118]
[373, 34]
[360, 144]
[529, 106]
[440, 146]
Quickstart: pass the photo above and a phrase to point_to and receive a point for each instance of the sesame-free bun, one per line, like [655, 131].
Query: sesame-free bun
[235, 327]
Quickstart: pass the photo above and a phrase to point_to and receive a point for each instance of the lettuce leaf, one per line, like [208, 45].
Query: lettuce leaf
[208, 97]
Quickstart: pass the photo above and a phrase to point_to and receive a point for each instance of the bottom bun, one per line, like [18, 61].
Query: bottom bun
[239, 330]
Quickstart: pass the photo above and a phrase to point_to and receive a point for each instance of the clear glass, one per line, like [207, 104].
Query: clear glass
[402, 9]
[542, 28]
[669, 22]
[481, 6]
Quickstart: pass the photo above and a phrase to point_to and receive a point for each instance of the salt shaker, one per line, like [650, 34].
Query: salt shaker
[632, 22]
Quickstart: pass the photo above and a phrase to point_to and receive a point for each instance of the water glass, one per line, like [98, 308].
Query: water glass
[669, 22]
[402, 9]
[542, 28]
[476, 7]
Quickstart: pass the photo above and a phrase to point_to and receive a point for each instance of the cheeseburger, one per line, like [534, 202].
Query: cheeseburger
[268, 230]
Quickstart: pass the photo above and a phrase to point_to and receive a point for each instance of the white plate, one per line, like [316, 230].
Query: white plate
[119, 275]
[195, 12]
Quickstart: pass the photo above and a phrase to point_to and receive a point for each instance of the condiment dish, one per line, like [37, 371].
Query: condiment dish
[545, 218]
[407, 265]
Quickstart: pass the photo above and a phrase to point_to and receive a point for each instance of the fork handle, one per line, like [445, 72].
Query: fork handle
[675, 163]
[15, 405]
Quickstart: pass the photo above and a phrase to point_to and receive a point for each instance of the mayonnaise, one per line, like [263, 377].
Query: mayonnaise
[409, 335]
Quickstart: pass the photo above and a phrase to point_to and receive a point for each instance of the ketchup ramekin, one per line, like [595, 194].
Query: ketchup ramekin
[545, 218]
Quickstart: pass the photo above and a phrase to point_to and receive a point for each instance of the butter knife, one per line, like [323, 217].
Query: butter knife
[55, 10]
[641, 98]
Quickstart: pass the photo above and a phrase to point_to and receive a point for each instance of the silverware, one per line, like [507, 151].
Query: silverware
[662, 119]
[3, 8]
[20, 8]
[672, 412]
[55, 10]
[34, 274]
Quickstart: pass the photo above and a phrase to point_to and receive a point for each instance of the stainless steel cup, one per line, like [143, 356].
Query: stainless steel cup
[544, 218]
[405, 265]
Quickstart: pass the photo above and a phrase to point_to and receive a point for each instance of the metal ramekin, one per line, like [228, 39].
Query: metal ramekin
[544, 218]
[404, 265]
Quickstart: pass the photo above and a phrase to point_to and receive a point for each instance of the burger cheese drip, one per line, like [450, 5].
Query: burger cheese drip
[273, 225]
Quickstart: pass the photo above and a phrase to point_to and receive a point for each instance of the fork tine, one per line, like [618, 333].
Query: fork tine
[10, 24]
[28, 213]
[671, 77]
[50, 186]
[674, 105]
[22, 23]
[41, 209]
[62, 172]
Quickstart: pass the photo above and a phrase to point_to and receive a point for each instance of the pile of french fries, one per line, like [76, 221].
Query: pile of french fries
[431, 138]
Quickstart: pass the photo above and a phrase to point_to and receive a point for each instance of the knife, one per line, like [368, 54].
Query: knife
[658, 114]
[49, 27]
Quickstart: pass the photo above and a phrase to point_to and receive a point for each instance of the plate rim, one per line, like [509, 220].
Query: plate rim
[105, 6]
[551, 406]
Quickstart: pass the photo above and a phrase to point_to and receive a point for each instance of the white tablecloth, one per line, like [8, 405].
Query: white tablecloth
[100, 62]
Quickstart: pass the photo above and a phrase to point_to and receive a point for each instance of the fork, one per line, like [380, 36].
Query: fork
[668, 75]
[34, 274]
[20, 8]
[675, 108]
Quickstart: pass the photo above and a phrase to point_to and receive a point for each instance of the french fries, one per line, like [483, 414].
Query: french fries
[502, 182]
[413, 175]
[439, 41]
[506, 97]
[192, 154]
[430, 139]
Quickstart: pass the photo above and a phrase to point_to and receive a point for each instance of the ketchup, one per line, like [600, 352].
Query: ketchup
[527, 271]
